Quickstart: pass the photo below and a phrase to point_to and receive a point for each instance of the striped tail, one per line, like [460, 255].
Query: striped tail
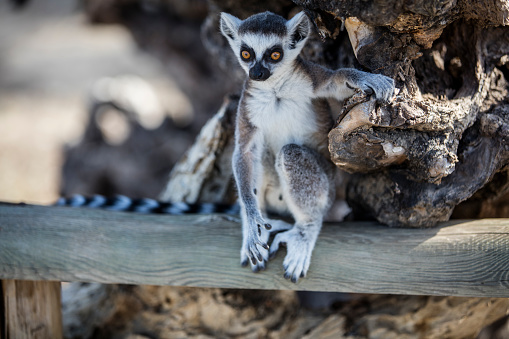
[144, 205]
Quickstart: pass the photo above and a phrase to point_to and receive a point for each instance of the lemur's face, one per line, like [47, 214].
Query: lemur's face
[265, 43]
[260, 57]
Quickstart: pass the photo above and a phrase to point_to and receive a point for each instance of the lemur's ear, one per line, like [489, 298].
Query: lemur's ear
[229, 26]
[298, 28]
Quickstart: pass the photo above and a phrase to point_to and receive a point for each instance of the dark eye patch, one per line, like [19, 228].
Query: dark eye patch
[246, 48]
[267, 55]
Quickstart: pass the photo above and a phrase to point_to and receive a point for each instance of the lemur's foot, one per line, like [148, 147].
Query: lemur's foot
[299, 247]
[264, 235]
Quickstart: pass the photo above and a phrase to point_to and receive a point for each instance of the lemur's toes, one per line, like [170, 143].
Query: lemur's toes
[253, 259]
[255, 253]
[259, 267]
[292, 277]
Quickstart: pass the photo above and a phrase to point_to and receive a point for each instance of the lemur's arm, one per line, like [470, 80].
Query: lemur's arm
[340, 84]
[246, 161]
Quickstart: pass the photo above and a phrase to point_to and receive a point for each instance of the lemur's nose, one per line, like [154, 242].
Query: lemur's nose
[259, 73]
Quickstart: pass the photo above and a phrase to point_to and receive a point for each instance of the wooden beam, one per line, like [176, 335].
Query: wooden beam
[458, 258]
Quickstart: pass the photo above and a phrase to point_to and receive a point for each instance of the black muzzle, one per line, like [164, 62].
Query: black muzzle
[259, 73]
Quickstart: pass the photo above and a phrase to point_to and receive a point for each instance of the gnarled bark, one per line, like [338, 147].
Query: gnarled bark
[443, 137]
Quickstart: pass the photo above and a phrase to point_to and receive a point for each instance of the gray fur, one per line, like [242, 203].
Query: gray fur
[281, 162]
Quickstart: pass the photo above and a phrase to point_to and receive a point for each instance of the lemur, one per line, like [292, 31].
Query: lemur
[281, 162]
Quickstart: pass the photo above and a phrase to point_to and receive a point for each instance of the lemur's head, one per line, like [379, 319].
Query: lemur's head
[265, 43]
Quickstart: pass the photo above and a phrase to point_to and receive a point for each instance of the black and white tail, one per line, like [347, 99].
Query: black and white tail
[144, 205]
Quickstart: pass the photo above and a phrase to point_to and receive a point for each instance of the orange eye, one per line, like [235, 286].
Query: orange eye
[275, 55]
[246, 55]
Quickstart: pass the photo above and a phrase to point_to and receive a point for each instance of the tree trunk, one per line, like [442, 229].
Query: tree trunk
[444, 137]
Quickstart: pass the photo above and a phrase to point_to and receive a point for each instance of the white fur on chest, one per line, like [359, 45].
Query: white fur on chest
[284, 114]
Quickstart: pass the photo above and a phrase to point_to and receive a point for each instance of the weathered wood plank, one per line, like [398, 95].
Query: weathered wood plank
[459, 258]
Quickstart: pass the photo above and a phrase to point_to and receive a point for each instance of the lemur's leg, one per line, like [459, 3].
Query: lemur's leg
[277, 226]
[267, 181]
[307, 181]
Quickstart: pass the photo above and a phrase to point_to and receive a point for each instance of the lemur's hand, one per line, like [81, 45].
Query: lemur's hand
[254, 244]
[379, 85]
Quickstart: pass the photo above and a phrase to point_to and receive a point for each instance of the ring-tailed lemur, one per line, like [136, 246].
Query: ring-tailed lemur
[281, 162]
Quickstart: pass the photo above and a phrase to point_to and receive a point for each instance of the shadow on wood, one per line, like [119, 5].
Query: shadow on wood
[459, 258]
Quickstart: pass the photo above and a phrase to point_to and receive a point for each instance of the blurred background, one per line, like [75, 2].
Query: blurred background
[88, 84]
